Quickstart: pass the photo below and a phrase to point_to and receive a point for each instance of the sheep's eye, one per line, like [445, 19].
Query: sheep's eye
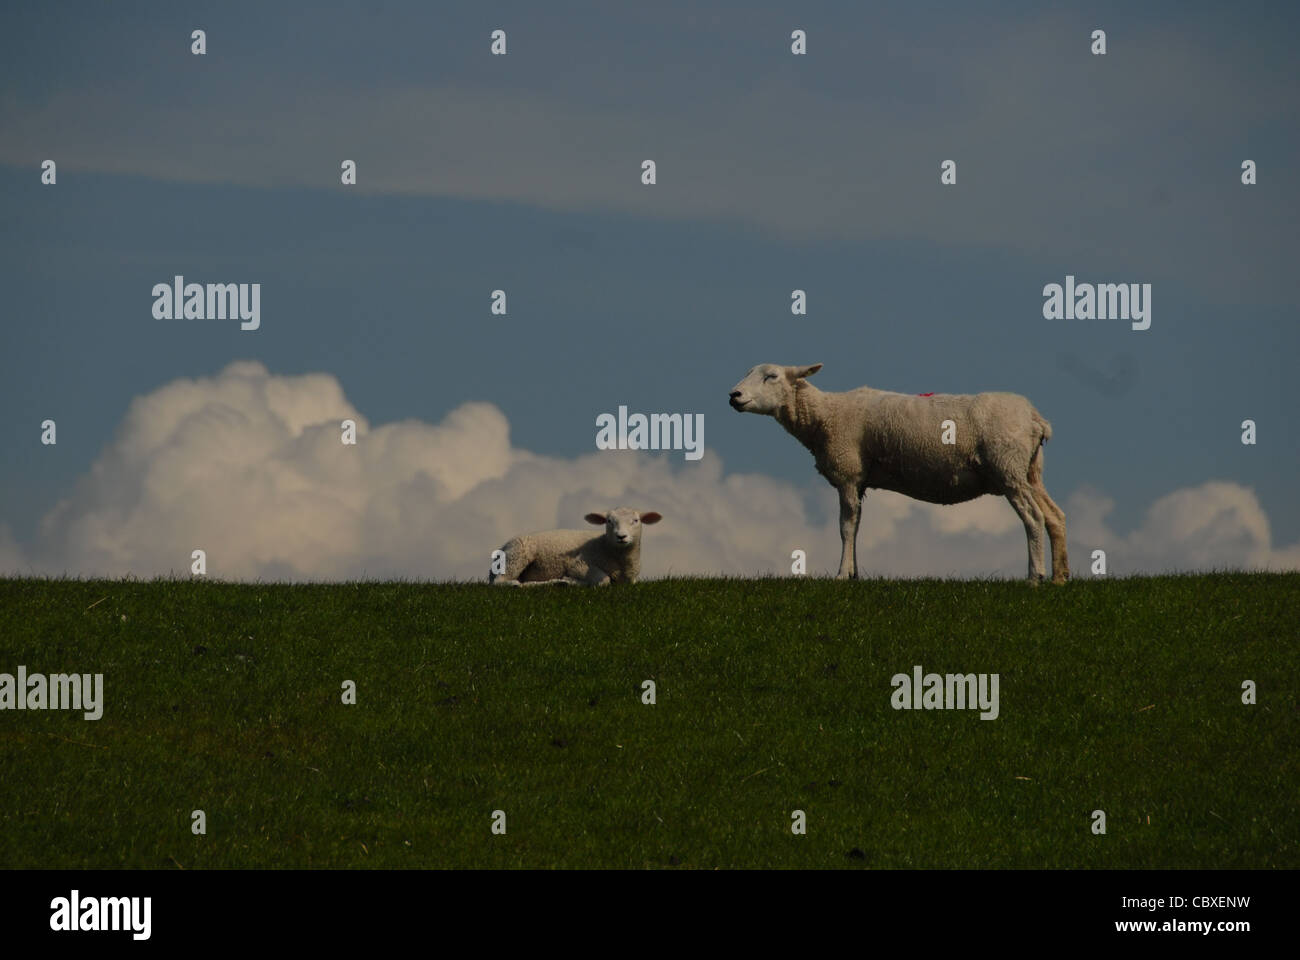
[770, 376]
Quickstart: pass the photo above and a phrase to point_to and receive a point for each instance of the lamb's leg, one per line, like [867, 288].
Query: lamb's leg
[518, 559]
[1023, 502]
[850, 513]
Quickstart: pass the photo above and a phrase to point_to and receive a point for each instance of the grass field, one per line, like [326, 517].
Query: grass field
[772, 696]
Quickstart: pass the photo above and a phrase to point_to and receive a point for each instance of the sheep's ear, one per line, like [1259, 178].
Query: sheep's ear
[596, 518]
[798, 373]
[651, 517]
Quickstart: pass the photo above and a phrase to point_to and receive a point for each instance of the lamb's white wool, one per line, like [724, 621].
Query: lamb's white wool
[869, 438]
[576, 556]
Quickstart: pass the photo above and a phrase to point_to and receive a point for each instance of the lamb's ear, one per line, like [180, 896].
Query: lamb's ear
[596, 518]
[651, 517]
[798, 373]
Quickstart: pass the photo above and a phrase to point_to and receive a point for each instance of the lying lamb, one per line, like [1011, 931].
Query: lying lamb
[875, 439]
[575, 556]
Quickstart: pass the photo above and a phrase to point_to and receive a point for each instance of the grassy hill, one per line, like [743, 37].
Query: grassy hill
[772, 696]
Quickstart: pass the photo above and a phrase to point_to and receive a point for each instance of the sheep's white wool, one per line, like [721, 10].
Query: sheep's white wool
[941, 448]
[576, 556]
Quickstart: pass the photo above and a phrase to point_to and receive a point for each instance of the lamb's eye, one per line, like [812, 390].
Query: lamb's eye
[770, 376]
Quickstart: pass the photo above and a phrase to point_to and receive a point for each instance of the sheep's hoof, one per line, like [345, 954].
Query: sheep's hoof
[1059, 581]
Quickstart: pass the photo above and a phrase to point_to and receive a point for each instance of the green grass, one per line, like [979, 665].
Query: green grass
[773, 695]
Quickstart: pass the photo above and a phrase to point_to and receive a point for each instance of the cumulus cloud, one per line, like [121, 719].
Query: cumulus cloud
[249, 467]
[1217, 525]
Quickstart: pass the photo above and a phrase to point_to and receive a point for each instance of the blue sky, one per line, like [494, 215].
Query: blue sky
[775, 172]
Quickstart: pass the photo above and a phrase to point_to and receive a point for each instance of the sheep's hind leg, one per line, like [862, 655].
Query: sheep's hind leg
[850, 514]
[1055, 518]
[1024, 503]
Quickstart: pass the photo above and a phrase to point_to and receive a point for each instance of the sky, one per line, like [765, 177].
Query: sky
[522, 172]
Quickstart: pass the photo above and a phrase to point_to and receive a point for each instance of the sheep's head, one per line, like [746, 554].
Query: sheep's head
[623, 526]
[768, 388]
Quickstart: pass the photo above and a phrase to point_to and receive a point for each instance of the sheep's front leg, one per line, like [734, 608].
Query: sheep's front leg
[597, 577]
[850, 513]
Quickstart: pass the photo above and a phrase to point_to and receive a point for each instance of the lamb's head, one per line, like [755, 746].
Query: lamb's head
[623, 526]
[769, 387]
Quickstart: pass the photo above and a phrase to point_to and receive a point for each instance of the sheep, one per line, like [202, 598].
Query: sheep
[876, 439]
[577, 557]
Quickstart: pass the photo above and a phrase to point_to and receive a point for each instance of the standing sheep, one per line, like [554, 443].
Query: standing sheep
[893, 441]
[576, 556]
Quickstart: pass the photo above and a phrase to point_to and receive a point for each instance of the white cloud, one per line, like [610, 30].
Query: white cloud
[1214, 526]
[249, 467]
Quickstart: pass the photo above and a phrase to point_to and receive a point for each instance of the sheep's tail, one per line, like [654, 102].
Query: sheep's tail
[1044, 428]
[1036, 461]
